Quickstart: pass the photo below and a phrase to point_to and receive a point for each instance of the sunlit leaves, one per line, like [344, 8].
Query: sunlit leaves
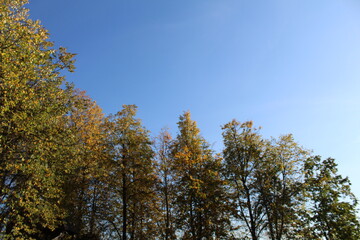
[67, 170]
[133, 176]
[200, 192]
[31, 111]
[332, 213]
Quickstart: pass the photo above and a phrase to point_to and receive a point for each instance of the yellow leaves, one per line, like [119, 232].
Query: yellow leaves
[35, 145]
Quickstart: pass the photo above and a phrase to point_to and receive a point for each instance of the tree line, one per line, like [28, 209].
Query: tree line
[67, 171]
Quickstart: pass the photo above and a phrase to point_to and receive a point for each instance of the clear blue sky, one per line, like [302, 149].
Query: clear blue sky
[290, 66]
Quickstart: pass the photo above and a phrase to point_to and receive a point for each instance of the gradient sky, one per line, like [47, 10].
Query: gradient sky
[290, 66]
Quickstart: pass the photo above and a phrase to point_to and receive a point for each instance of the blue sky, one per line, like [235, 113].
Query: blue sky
[290, 66]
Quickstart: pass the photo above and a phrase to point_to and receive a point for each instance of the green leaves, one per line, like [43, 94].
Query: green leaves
[333, 209]
[31, 110]
[201, 198]
[67, 170]
[244, 155]
[133, 175]
[264, 178]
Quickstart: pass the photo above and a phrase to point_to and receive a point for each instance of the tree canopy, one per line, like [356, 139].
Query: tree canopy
[67, 171]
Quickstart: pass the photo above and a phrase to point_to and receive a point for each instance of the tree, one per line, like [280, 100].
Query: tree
[280, 185]
[134, 179]
[243, 155]
[86, 169]
[265, 179]
[332, 205]
[166, 185]
[32, 106]
[201, 208]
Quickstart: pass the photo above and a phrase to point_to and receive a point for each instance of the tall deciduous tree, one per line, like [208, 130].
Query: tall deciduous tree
[86, 171]
[280, 185]
[200, 193]
[332, 205]
[243, 155]
[32, 106]
[134, 206]
[166, 185]
[265, 179]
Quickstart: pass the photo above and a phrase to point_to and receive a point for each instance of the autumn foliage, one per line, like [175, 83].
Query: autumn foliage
[67, 171]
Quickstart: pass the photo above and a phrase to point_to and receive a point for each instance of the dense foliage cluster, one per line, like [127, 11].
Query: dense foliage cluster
[69, 172]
